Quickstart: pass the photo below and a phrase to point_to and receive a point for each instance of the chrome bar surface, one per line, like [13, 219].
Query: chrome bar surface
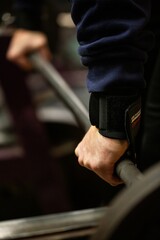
[51, 224]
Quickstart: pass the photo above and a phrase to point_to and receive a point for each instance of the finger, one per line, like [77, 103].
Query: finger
[24, 63]
[17, 48]
[76, 151]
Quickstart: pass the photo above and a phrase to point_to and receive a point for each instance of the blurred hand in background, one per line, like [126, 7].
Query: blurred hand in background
[24, 42]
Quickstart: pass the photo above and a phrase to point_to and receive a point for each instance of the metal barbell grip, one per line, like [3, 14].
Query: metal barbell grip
[128, 172]
[125, 169]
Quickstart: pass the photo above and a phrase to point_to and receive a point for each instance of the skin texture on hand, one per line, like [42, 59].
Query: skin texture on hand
[24, 42]
[100, 154]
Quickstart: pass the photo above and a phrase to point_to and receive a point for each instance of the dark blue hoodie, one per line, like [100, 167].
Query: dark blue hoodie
[113, 41]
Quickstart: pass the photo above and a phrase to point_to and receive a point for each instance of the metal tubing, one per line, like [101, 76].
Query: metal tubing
[126, 170]
[62, 89]
[69, 223]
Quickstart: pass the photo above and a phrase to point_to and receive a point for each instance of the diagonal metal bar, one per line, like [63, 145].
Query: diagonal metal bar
[62, 89]
[80, 222]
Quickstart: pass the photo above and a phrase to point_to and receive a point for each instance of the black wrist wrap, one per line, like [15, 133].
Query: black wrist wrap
[116, 116]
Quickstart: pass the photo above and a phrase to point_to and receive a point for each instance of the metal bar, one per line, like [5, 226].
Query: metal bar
[127, 171]
[62, 89]
[67, 224]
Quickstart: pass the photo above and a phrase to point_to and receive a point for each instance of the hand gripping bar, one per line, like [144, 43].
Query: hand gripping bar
[125, 169]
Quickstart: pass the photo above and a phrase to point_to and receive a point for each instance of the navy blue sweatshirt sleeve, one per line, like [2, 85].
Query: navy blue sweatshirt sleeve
[113, 41]
[28, 14]
[113, 44]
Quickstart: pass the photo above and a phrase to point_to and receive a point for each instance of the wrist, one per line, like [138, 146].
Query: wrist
[116, 116]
